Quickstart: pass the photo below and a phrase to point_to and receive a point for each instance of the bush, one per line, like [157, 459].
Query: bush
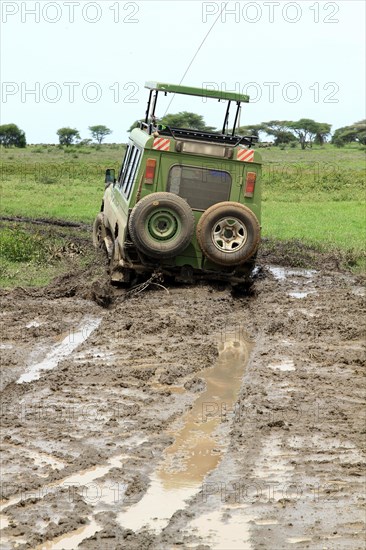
[18, 246]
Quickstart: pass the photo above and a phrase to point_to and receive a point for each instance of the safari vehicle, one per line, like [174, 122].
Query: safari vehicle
[186, 203]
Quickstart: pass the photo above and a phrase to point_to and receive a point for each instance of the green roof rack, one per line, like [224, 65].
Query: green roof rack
[200, 92]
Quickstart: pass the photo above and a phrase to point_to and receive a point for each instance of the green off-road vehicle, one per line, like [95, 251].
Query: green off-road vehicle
[186, 203]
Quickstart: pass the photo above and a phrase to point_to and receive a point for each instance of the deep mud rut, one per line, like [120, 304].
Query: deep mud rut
[185, 418]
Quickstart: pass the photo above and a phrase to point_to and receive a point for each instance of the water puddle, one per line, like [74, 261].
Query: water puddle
[266, 522]
[298, 540]
[32, 324]
[71, 540]
[12, 541]
[92, 355]
[197, 448]
[43, 459]
[359, 291]
[61, 350]
[286, 365]
[78, 479]
[4, 521]
[302, 294]
[165, 387]
[232, 532]
[282, 273]
[273, 464]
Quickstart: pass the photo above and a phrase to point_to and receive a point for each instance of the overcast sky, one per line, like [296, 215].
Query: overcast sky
[80, 63]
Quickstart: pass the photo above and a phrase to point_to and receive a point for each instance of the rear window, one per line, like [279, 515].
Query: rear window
[200, 187]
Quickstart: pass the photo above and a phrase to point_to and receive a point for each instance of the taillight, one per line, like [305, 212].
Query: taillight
[250, 184]
[150, 171]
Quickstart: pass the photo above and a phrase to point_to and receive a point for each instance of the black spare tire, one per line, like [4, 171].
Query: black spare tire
[161, 225]
[228, 233]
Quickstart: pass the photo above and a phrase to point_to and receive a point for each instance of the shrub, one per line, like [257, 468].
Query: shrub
[18, 246]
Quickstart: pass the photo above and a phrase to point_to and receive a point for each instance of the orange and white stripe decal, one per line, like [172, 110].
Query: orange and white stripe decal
[245, 155]
[161, 144]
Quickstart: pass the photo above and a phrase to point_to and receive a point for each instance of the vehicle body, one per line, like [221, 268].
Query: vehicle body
[185, 203]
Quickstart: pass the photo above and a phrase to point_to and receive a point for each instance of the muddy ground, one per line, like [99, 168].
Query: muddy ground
[185, 417]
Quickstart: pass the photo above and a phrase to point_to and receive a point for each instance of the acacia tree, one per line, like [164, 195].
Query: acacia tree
[10, 135]
[251, 130]
[322, 133]
[99, 132]
[184, 119]
[347, 134]
[278, 129]
[67, 136]
[307, 129]
[304, 130]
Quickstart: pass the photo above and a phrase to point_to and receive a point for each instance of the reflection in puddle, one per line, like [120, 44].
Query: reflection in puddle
[71, 540]
[197, 448]
[62, 350]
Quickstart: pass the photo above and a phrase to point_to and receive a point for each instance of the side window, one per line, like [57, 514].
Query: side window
[124, 166]
[131, 170]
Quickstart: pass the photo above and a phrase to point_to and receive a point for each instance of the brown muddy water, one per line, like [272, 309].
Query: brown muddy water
[198, 444]
[188, 419]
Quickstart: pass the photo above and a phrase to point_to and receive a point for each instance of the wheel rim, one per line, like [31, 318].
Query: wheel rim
[99, 234]
[163, 225]
[229, 235]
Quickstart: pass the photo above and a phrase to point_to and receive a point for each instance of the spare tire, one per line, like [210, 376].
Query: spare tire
[228, 233]
[161, 225]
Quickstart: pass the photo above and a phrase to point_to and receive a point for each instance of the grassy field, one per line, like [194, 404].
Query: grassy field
[316, 196]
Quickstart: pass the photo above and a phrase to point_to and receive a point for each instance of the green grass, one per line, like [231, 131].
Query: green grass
[316, 195]
[48, 182]
[332, 224]
[31, 255]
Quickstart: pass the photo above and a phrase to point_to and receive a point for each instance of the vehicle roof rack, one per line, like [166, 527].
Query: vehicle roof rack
[223, 137]
[200, 92]
[197, 135]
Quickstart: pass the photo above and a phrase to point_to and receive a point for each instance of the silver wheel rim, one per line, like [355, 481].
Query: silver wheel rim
[229, 235]
[99, 233]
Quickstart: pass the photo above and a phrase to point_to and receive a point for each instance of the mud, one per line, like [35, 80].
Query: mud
[185, 417]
